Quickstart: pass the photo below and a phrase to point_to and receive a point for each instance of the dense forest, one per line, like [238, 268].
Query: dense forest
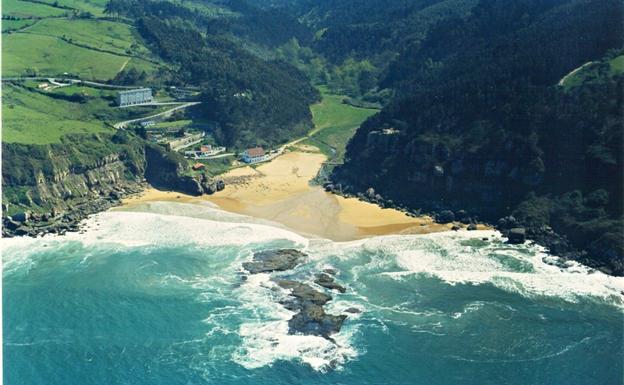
[479, 123]
[253, 101]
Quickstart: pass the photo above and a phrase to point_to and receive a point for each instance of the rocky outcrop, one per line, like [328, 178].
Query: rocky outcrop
[310, 317]
[328, 282]
[274, 260]
[51, 188]
[168, 170]
[516, 236]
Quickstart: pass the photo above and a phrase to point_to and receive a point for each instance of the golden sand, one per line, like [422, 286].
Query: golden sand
[279, 191]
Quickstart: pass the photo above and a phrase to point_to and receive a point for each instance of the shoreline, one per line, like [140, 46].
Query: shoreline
[279, 191]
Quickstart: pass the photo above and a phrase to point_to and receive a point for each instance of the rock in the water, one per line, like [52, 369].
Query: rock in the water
[327, 281]
[455, 228]
[353, 310]
[472, 227]
[311, 318]
[304, 292]
[274, 260]
[516, 236]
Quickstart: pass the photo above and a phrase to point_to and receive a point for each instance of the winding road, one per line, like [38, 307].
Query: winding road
[163, 114]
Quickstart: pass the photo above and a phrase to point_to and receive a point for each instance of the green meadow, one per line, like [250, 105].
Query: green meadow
[33, 118]
[334, 124]
[30, 116]
[25, 9]
[589, 73]
[98, 34]
[11, 25]
[50, 55]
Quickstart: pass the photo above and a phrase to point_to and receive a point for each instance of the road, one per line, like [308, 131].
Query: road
[163, 114]
[71, 80]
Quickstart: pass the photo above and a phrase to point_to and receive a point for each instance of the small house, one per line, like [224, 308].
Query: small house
[198, 166]
[254, 155]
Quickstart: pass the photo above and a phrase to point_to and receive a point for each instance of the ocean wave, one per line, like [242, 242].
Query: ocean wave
[262, 322]
[465, 258]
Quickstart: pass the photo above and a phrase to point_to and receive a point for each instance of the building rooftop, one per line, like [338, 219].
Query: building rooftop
[198, 166]
[255, 152]
[134, 90]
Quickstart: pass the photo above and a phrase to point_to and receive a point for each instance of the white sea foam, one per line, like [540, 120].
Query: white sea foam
[266, 338]
[454, 257]
[139, 229]
[449, 257]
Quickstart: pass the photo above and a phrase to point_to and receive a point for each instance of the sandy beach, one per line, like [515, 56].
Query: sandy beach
[280, 191]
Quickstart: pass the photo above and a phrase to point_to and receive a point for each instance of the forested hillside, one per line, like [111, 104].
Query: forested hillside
[253, 101]
[479, 123]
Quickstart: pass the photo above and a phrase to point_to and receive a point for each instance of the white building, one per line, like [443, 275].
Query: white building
[254, 155]
[134, 97]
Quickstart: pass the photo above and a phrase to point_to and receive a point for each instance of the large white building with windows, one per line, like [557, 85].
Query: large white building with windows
[134, 97]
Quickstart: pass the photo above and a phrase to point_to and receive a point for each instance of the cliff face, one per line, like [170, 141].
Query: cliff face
[481, 123]
[49, 188]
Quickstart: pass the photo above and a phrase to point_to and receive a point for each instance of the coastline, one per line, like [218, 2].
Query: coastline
[280, 191]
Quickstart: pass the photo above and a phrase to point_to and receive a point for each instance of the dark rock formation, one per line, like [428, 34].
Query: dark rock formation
[445, 216]
[311, 318]
[306, 301]
[51, 188]
[328, 282]
[516, 236]
[274, 260]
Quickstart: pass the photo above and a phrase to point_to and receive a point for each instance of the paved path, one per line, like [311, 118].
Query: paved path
[153, 104]
[163, 114]
[70, 80]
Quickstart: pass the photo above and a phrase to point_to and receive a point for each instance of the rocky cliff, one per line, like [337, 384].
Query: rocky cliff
[482, 123]
[50, 188]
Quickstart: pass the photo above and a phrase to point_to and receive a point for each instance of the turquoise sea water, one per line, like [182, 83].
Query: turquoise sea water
[156, 298]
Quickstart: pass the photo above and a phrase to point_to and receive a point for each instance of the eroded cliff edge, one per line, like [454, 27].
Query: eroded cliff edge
[50, 188]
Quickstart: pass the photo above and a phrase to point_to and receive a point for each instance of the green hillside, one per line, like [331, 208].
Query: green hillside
[26, 9]
[87, 47]
[593, 72]
[335, 123]
[30, 116]
[98, 34]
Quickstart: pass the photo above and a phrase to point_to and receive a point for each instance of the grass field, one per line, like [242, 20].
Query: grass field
[96, 7]
[11, 25]
[99, 34]
[334, 124]
[24, 9]
[50, 55]
[589, 73]
[32, 117]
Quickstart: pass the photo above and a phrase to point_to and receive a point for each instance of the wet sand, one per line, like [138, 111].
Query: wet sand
[279, 191]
